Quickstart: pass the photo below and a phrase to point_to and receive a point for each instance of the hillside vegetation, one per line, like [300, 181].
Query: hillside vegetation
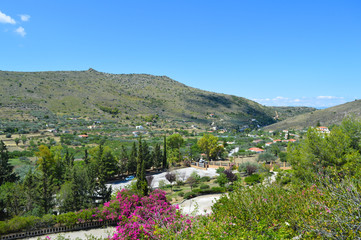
[34, 95]
[327, 117]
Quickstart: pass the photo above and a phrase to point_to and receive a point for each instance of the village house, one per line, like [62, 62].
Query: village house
[323, 129]
[256, 150]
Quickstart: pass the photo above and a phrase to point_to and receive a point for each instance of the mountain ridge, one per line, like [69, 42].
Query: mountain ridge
[91, 93]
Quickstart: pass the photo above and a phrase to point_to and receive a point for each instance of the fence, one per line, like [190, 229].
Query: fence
[45, 231]
[218, 164]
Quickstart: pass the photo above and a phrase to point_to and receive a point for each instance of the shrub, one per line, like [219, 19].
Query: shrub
[196, 176]
[180, 183]
[254, 178]
[222, 179]
[218, 190]
[220, 170]
[248, 167]
[205, 179]
[189, 195]
[204, 186]
[181, 194]
[162, 184]
[230, 176]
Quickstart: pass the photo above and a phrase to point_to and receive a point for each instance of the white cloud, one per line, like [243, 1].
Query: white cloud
[20, 31]
[318, 102]
[24, 17]
[280, 98]
[6, 19]
[329, 97]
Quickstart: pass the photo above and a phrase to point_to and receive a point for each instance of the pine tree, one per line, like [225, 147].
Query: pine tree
[29, 185]
[132, 163]
[6, 170]
[45, 186]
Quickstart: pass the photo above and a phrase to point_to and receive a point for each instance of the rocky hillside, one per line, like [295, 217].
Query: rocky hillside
[31, 95]
[326, 117]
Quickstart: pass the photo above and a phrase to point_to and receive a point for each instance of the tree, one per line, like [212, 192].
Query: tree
[24, 139]
[333, 153]
[148, 160]
[149, 181]
[283, 156]
[110, 164]
[275, 149]
[230, 176]
[209, 144]
[123, 161]
[157, 156]
[86, 157]
[45, 164]
[174, 143]
[60, 166]
[132, 163]
[165, 163]
[6, 170]
[142, 185]
[17, 141]
[266, 157]
[171, 177]
[30, 195]
[192, 181]
[222, 179]
[11, 200]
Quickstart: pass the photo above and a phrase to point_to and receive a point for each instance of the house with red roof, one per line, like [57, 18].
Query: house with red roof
[323, 129]
[256, 150]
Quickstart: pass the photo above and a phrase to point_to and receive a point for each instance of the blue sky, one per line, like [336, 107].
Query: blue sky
[275, 52]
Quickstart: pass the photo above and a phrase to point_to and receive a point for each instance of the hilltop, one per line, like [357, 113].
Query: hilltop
[125, 97]
[327, 117]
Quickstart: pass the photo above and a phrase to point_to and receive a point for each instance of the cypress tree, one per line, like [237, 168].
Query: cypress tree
[157, 157]
[132, 163]
[165, 164]
[148, 160]
[142, 185]
[123, 161]
[86, 158]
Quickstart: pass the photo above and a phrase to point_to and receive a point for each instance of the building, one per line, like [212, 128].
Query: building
[256, 150]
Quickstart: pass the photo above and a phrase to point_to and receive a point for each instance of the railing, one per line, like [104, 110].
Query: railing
[45, 231]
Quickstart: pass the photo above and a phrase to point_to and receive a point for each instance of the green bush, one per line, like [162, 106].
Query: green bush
[204, 186]
[218, 189]
[189, 195]
[67, 219]
[205, 179]
[222, 179]
[220, 170]
[180, 183]
[18, 224]
[254, 178]
[181, 194]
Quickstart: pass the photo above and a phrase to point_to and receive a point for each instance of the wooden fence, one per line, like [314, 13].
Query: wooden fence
[216, 164]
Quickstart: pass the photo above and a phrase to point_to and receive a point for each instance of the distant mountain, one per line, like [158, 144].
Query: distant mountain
[326, 117]
[125, 97]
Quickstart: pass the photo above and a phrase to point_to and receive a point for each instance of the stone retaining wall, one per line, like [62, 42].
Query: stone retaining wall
[45, 231]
